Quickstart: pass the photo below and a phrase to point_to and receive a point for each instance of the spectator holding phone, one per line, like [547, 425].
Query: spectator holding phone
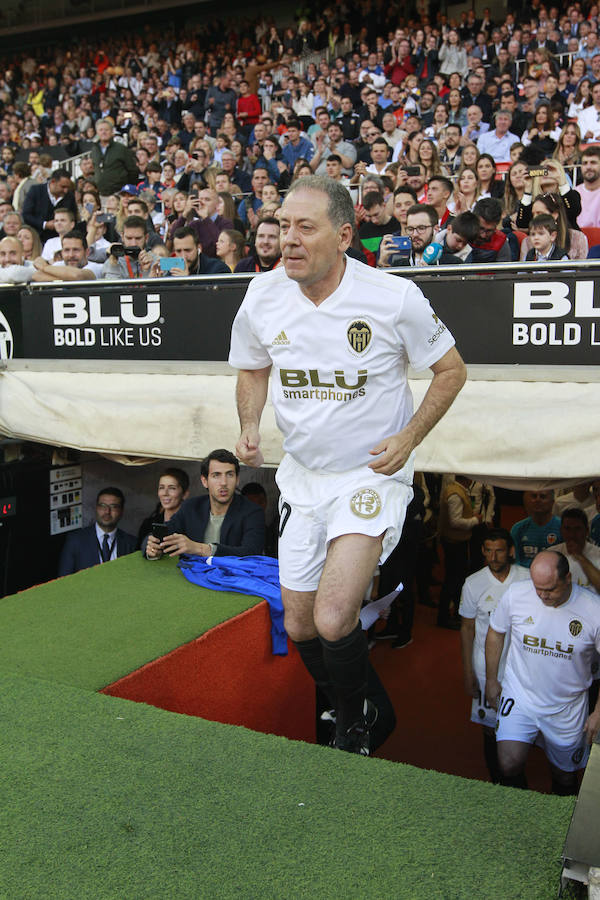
[173, 489]
[187, 248]
[221, 523]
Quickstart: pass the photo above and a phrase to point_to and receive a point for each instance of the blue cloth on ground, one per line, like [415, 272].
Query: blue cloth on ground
[257, 576]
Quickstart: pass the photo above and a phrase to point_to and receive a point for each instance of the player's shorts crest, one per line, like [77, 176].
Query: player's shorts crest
[359, 335]
[366, 503]
[575, 627]
[578, 755]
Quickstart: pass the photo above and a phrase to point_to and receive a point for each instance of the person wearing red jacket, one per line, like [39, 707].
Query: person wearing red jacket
[400, 64]
[248, 108]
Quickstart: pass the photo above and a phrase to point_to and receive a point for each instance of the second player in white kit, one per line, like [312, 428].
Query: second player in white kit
[554, 630]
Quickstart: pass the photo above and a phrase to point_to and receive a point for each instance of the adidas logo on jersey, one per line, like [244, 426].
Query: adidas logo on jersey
[528, 621]
[280, 340]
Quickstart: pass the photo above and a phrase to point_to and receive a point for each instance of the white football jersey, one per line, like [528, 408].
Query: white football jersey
[480, 595]
[338, 382]
[551, 648]
[577, 574]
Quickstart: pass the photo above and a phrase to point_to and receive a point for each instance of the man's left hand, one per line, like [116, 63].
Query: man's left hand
[177, 544]
[592, 726]
[393, 451]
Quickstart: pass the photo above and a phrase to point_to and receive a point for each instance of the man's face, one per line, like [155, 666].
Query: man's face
[266, 243]
[376, 214]
[60, 187]
[420, 230]
[104, 131]
[346, 105]
[497, 556]
[293, 134]
[437, 194]
[552, 590]
[310, 243]
[134, 237]
[11, 224]
[109, 510]
[426, 102]
[379, 153]
[135, 208]
[62, 222]
[228, 162]
[87, 167]
[333, 168]
[221, 482]
[474, 115]
[73, 253]
[334, 134]
[207, 202]
[574, 534]
[402, 203]
[508, 102]
[502, 123]
[11, 252]
[186, 248]
[222, 183]
[260, 132]
[538, 502]
[486, 229]
[475, 85]
[452, 137]
[259, 178]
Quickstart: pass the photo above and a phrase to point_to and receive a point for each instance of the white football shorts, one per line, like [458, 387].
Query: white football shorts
[315, 507]
[560, 735]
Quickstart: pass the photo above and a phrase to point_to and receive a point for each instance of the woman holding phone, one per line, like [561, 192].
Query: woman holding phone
[173, 489]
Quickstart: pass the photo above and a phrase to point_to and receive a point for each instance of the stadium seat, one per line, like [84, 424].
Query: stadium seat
[593, 235]
[501, 170]
[520, 236]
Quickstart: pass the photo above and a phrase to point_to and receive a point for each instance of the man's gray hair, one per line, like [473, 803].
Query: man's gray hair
[340, 209]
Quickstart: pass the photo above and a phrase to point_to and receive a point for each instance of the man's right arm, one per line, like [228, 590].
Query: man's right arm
[251, 396]
[467, 639]
[494, 644]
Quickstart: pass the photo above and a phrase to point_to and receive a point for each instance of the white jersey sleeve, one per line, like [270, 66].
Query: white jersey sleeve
[500, 618]
[468, 602]
[424, 335]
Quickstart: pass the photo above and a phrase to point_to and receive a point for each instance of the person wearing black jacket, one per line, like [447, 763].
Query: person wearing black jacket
[223, 523]
[43, 200]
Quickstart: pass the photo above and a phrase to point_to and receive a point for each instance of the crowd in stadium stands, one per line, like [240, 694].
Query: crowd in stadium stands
[460, 141]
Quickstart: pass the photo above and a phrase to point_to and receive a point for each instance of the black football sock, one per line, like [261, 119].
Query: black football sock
[490, 753]
[347, 663]
[565, 790]
[516, 781]
[311, 654]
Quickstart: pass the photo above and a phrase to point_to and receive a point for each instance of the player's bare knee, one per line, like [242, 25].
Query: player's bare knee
[511, 762]
[334, 622]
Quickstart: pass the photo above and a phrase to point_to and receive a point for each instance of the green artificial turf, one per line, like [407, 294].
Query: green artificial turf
[94, 627]
[104, 798]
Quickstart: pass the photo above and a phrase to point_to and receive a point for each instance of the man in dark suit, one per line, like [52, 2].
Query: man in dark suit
[222, 523]
[101, 541]
[43, 200]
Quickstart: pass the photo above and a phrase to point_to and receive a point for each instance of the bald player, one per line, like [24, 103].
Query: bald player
[554, 631]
